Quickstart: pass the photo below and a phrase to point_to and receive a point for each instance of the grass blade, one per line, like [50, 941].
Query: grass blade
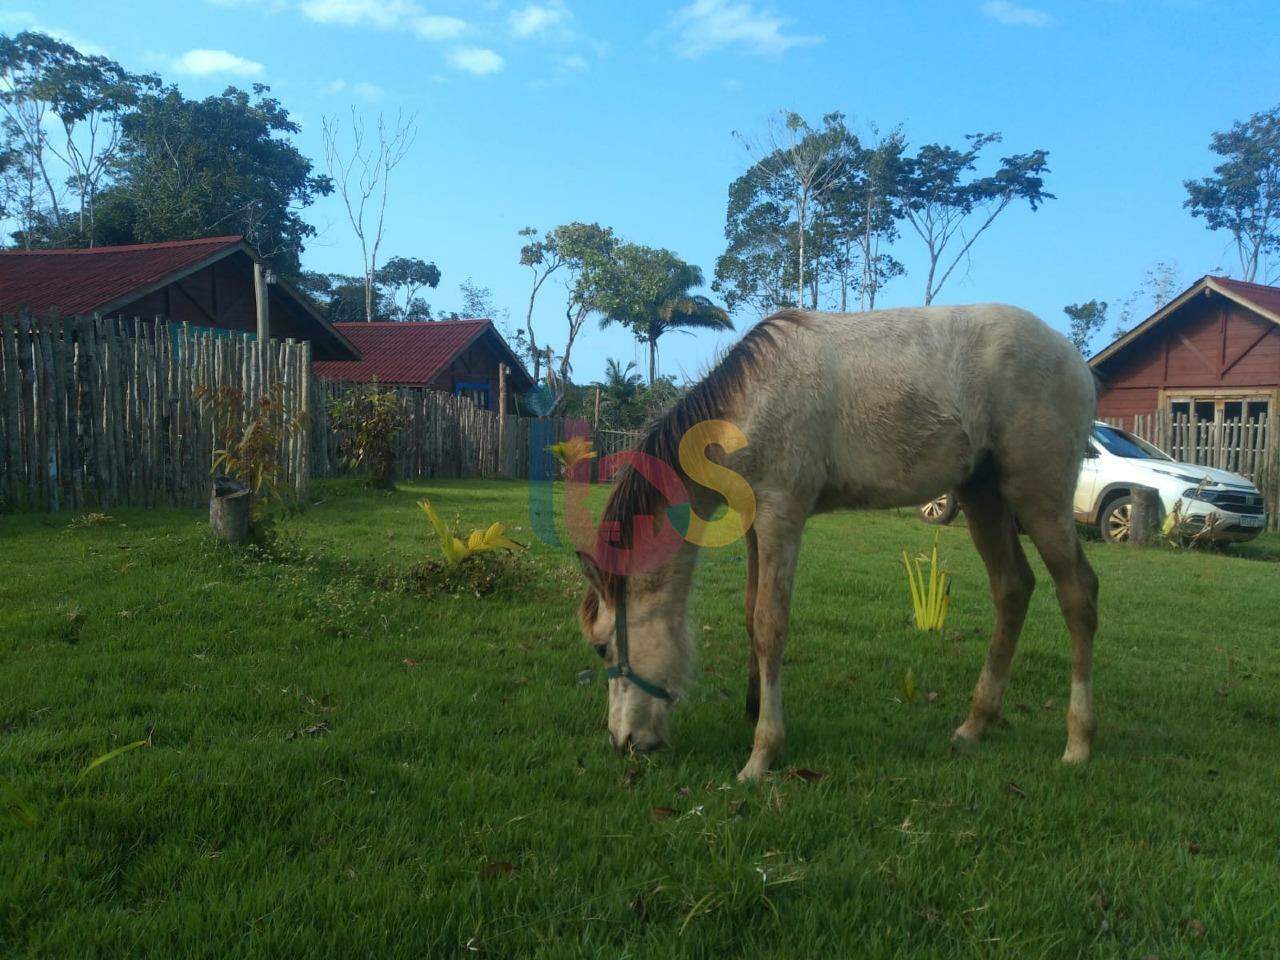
[106, 757]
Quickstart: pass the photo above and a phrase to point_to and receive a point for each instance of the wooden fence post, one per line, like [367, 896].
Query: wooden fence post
[1144, 516]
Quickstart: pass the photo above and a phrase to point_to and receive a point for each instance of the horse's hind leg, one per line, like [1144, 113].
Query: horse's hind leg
[994, 533]
[1054, 534]
[753, 663]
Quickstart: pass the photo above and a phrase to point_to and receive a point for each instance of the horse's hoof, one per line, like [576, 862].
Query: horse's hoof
[1076, 755]
[965, 738]
[752, 772]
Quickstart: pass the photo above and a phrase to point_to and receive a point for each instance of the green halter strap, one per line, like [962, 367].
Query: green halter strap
[622, 669]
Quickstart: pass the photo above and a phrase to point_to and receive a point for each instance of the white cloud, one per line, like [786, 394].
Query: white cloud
[707, 25]
[204, 63]
[383, 14]
[360, 90]
[1014, 15]
[574, 63]
[436, 27]
[536, 18]
[480, 61]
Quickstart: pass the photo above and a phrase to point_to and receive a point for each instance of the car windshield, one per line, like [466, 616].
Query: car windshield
[1118, 443]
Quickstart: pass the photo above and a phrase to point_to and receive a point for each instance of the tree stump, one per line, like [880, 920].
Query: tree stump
[229, 510]
[1144, 517]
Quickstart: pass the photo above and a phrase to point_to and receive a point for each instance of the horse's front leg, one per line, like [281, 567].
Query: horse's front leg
[778, 545]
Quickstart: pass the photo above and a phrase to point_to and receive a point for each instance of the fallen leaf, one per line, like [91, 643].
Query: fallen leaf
[409, 662]
[931, 696]
[1015, 789]
[662, 813]
[801, 773]
[1048, 704]
[1024, 707]
[497, 868]
[1191, 927]
[585, 677]
[629, 778]
[1193, 847]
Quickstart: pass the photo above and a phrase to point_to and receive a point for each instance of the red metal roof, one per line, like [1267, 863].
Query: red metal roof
[1268, 298]
[411, 354]
[82, 281]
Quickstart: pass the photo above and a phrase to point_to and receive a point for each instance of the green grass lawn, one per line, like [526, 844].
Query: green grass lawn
[341, 767]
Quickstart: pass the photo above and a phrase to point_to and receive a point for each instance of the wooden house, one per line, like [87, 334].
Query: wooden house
[1210, 356]
[214, 283]
[466, 358]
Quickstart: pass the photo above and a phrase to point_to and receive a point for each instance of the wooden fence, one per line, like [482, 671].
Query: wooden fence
[101, 413]
[98, 413]
[447, 436]
[1247, 447]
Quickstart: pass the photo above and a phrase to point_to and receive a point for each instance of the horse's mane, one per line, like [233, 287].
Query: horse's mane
[711, 398]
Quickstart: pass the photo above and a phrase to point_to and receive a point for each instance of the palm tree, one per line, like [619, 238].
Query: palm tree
[651, 295]
[620, 386]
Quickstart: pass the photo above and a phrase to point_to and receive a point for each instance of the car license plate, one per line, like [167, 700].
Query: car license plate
[1251, 521]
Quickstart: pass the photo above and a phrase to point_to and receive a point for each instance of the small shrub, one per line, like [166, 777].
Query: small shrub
[368, 421]
[248, 436]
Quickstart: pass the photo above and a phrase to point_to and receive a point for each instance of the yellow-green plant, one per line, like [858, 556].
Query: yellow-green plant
[455, 549]
[571, 452]
[931, 594]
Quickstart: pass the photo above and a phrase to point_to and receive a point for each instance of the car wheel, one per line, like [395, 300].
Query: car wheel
[940, 510]
[1116, 520]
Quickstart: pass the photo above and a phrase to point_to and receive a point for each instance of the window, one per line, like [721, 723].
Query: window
[1121, 443]
[1206, 410]
[477, 391]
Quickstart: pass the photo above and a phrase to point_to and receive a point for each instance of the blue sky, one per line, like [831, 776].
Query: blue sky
[556, 110]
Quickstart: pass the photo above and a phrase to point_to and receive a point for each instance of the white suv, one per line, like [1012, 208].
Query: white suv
[1116, 461]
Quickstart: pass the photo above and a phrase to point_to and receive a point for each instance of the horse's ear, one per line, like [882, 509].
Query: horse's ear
[591, 571]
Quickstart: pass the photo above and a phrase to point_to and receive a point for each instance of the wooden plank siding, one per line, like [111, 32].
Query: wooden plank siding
[1211, 347]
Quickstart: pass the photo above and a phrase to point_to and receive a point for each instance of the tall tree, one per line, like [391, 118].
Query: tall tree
[800, 165]
[950, 209]
[1243, 195]
[586, 251]
[648, 291]
[542, 256]
[221, 165]
[361, 169]
[757, 269]
[63, 115]
[1086, 320]
[403, 278]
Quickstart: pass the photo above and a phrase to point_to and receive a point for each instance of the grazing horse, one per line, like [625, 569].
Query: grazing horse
[883, 409]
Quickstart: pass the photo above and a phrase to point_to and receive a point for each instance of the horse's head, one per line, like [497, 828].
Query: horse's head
[646, 661]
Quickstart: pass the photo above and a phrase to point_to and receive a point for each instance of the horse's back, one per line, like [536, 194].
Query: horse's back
[894, 406]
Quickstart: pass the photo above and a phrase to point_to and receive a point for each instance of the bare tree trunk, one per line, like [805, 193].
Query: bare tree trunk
[368, 188]
[528, 325]
[653, 359]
